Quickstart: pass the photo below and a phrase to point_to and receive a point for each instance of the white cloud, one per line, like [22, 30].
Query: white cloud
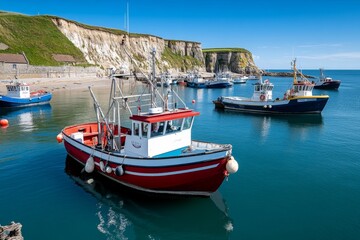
[320, 45]
[335, 56]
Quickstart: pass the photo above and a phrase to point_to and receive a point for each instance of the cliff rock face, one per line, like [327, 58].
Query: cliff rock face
[185, 48]
[104, 48]
[237, 62]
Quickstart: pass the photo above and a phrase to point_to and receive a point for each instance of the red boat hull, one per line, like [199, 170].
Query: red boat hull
[197, 178]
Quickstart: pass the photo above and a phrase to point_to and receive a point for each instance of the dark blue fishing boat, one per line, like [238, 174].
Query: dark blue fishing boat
[297, 100]
[326, 82]
[19, 95]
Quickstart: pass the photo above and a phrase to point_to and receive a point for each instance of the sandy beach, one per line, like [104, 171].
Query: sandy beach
[57, 84]
[71, 83]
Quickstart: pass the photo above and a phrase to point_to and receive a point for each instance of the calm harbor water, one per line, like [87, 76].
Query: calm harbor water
[298, 178]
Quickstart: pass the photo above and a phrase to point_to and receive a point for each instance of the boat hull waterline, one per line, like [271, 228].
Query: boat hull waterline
[300, 105]
[6, 101]
[334, 84]
[190, 174]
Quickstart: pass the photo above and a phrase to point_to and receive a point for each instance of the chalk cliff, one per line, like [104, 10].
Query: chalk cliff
[104, 48]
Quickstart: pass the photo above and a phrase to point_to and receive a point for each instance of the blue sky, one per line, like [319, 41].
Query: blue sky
[318, 33]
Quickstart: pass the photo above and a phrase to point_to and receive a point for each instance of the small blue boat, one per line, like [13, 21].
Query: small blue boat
[19, 95]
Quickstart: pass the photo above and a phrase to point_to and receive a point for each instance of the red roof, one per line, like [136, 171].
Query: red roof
[12, 58]
[63, 58]
[181, 113]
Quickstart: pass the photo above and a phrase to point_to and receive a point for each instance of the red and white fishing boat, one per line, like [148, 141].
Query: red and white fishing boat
[155, 153]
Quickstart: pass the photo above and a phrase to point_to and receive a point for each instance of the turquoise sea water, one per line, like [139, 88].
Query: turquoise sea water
[299, 176]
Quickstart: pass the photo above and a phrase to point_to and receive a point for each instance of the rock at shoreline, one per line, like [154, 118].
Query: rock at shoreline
[11, 232]
[283, 74]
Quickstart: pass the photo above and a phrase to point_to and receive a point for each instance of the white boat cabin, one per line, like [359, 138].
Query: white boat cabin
[262, 91]
[159, 135]
[18, 90]
[302, 89]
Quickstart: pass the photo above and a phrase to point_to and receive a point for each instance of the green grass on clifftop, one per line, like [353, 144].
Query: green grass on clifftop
[224, 50]
[178, 61]
[38, 37]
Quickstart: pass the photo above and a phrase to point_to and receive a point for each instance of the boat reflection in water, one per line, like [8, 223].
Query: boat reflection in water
[151, 216]
[28, 118]
[300, 125]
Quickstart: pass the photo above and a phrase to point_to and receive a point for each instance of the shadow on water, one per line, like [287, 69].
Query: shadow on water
[153, 216]
[293, 120]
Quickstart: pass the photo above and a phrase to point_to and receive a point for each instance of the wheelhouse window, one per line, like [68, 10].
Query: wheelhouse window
[144, 128]
[136, 128]
[187, 123]
[173, 125]
[157, 129]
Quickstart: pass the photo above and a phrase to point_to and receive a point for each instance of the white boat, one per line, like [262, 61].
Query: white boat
[149, 149]
[221, 80]
[253, 77]
[240, 80]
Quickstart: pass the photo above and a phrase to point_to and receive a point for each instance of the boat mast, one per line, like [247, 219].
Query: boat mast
[295, 70]
[153, 78]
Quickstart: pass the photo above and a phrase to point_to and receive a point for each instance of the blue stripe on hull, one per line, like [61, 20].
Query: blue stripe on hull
[22, 102]
[313, 105]
[192, 85]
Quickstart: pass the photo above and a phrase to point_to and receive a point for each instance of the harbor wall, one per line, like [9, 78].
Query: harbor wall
[9, 71]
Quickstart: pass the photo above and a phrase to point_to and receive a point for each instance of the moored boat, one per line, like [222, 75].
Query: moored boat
[196, 81]
[19, 95]
[221, 80]
[326, 82]
[156, 152]
[240, 80]
[297, 100]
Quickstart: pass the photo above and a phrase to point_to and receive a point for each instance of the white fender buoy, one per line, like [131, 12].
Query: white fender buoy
[102, 166]
[119, 171]
[270, 106]
[265, 106]
[90, 165]
[232, 166]
[90, 181]
[108, 169]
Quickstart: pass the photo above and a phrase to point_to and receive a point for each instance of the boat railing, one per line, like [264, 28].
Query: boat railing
[152, 82]
[208, 146]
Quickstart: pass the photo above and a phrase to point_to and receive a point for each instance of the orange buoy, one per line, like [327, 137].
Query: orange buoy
[59, 137]
[4, 122]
